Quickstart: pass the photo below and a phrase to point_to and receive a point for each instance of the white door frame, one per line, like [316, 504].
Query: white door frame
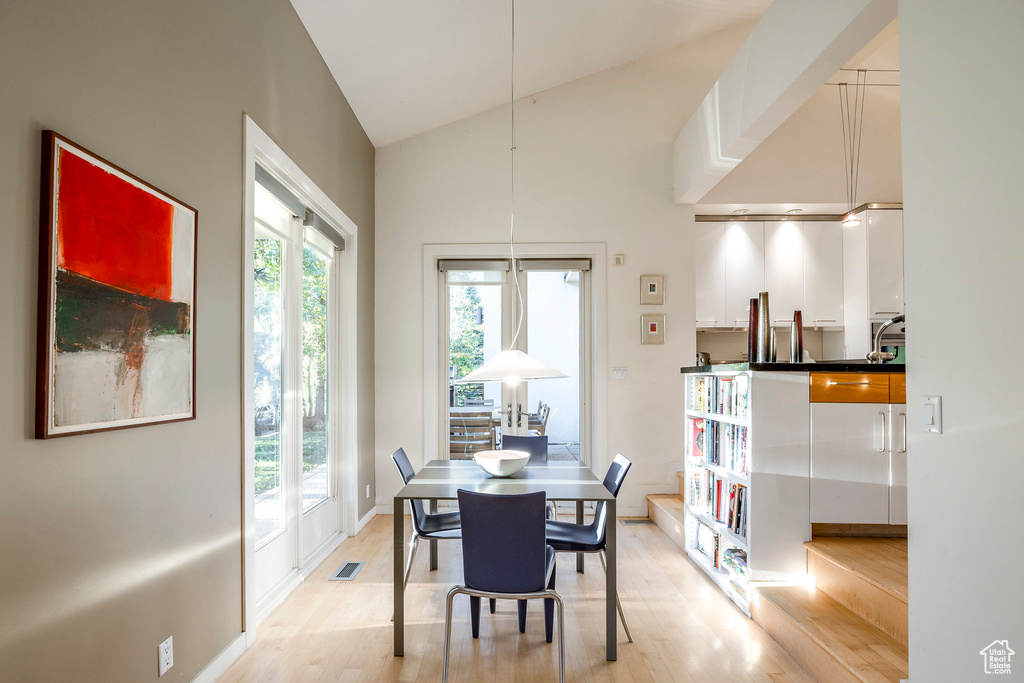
[593, 424]
[259, 147]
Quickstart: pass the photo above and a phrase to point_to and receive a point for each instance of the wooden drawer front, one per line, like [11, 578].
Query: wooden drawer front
[897, 388]
[849, 387]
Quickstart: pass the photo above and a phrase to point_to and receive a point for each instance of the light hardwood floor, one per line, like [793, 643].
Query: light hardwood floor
[684, 627]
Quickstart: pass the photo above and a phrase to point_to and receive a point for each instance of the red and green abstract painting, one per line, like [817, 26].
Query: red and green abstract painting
[118, 298]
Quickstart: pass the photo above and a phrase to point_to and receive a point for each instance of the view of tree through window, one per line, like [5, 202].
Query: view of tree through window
[466, 335]
[314, 376]
[267, 328]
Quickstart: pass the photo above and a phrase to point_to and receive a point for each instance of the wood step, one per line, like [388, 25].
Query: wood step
[666, 510]
[868, 576]
[828, 640]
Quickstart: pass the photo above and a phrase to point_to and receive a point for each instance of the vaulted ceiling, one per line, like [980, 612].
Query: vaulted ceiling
[408, 66]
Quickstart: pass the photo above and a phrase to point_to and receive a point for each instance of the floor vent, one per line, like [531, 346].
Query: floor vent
[348, 571]
[641, 520]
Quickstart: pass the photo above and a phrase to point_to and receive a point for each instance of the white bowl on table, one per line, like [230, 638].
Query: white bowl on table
[501, 463]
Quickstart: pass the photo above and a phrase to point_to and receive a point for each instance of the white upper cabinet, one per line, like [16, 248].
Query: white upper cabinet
[885, 264]
[710, 273]
[784, 265]
[744, 270]
[823, 274]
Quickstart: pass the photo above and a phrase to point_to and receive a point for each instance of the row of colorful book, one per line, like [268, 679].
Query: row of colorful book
[721, 395]
[720, 443]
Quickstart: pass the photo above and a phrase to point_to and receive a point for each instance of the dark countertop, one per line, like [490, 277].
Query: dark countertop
[826, 366]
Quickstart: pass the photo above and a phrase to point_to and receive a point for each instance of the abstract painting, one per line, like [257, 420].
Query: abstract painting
[116, 298]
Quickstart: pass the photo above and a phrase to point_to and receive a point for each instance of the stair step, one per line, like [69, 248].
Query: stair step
[828, 640]
[666, 510]
[868, 576]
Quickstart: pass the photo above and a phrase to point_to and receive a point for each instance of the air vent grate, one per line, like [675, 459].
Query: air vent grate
[641, 520]
[348, 571]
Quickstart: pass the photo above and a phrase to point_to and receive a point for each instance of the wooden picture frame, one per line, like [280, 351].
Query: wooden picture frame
[117, 286]
[652, 290]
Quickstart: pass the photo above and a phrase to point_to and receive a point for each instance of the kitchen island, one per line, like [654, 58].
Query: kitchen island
[771, 448]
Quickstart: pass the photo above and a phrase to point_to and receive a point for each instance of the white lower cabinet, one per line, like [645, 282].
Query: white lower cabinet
[858, 463]
[849, 463]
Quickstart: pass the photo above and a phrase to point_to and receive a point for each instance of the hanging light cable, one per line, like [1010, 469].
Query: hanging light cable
[512, 366]
[853, 133]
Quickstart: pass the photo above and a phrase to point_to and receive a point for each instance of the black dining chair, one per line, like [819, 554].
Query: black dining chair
[536, 446]
[431, 527]
[566, 537]
[504, 556]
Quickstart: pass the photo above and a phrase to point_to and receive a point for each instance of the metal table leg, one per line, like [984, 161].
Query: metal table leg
[579, 520]
[398, 578]
[433, 541]
[610, 614]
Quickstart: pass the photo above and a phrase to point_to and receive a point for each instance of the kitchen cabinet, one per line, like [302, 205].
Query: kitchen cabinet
[885, 264]
[744, 270]
[858, 448]
[849, 463]
[823, 274]
[872, 276]
[784, 269]
[799, 264]
[710, 273]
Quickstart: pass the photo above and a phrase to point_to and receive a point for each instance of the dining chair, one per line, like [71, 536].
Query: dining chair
[504, 556]
[566, 537]
[431, 527]
[536, 446]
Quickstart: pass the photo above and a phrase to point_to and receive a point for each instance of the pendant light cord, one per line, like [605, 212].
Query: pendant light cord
[512, 213]
[853, 133]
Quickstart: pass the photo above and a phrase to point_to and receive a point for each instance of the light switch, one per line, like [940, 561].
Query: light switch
[619, 373]
[931, 414]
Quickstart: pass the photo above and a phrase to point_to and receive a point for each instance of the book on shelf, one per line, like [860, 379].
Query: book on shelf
[720, 395]
[697, 439]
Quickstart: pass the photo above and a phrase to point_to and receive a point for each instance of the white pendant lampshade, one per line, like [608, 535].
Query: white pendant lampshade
[511, 366]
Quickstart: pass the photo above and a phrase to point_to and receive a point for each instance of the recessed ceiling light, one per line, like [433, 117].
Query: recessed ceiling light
[793, 212]
[740, 212]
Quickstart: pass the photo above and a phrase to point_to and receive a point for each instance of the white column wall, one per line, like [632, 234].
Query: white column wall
[962, 179]
[593, 164]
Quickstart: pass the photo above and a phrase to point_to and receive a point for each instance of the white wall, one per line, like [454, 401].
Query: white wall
[962, 179]
[594, 164]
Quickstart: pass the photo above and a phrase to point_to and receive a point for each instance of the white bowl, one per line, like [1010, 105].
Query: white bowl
[501, 463]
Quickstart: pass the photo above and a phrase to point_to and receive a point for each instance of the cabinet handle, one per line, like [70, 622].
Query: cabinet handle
[849, 384]
[881, 448]
[780, 320]
[887, 312]
[904, 449]
[707, 321]
[508, 411]
[824, 320]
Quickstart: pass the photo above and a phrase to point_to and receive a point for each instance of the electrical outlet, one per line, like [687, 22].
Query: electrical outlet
[166, 655]
[367, 490]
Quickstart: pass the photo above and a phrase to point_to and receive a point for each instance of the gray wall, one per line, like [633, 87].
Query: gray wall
[111, 542]
[962, 179]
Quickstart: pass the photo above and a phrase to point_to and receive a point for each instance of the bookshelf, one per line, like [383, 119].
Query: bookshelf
[747, 466]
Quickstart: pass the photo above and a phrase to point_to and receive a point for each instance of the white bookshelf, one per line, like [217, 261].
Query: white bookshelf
[772, 473]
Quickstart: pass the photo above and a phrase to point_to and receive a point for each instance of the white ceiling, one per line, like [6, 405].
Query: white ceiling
[408, 66]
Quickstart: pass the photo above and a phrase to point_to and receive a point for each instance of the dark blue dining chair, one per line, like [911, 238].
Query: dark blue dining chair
[431, 527]
[566, 537]
[504, 556]
[536, 446]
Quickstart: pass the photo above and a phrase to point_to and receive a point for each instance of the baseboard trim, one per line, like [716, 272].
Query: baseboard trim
[222, 661]
[366, 519]
[276, 595]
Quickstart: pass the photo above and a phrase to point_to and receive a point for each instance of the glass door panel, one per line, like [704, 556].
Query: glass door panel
[553, 304]
[315, 398]
[475, 328]
[267, 331]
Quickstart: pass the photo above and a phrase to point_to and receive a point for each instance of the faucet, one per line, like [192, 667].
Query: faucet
[877, 355]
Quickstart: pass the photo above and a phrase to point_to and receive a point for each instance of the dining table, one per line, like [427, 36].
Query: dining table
[560, 480]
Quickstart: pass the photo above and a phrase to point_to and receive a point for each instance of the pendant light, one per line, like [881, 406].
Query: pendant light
[853, 131]
[512, 366]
